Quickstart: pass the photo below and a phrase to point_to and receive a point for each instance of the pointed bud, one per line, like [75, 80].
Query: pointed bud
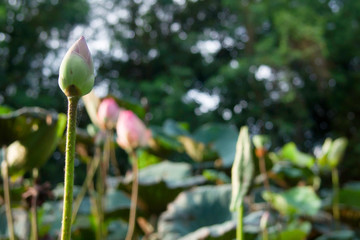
[76, 74]
[131, 131]
[108, 113]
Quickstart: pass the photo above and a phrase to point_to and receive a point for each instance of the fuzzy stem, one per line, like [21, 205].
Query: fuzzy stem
[134, 196]
[69, 168]
[239, 229]
[335, 180]
[9, 218]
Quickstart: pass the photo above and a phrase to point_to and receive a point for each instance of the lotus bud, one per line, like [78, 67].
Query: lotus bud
[76, 74]
[108, 113]
[131, 131]
[262, 144]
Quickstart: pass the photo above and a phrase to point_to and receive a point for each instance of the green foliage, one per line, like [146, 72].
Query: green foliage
[287, 69]
[261, 141]
[31, 136]
[349, 196]
[295, 230]
[202, 207]
[296, 201]
[290, 153]
[338, 235]
[159, 184]
[332, 152]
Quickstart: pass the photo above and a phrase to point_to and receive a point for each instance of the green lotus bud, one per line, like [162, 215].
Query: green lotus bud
[76, 74]
[261, 141]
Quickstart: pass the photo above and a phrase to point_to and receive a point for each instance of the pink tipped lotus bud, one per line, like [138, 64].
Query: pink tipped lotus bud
[76, 74]
[108, 113]
[131, 131]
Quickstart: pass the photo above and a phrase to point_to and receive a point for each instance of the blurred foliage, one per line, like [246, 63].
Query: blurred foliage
[30, 136]
[31, 35]
[196, 71]
[284, 68]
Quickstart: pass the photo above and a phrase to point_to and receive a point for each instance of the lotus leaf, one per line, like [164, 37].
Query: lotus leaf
[296, 201]
[160, 183]
[205, 206]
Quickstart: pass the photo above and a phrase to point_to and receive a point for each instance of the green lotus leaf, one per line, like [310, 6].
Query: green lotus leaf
[204, 206]
[292, 174]
[295, 230]
[117, 205]
[290, 153]
[338, 235]
[21, 226]
[160, 183]
[221, 137]
[296, 201]
[31, 135]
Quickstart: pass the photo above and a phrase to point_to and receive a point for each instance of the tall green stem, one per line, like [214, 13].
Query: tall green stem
[335, 180]
[134, 196]
[9, 218]
[239, 229]
[69, 168]
[34, 224]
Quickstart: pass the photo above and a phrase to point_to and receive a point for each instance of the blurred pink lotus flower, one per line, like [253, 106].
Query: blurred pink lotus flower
[131, 131]
[108, 113]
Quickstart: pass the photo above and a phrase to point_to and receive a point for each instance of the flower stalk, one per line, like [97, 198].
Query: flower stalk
[134, 196]
[239, 228]
[335, 181]
[76, 78]
[69, 168]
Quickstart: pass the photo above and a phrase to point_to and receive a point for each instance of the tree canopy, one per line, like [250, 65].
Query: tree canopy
[284, 68]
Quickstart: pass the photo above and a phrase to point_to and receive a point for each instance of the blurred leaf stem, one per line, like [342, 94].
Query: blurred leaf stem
[5, 175]
[134, 196]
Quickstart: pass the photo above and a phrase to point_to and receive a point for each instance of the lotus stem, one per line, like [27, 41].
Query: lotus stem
[9, 217]
[239, 229]
[335, 181]
[134, 196]
[69, 167]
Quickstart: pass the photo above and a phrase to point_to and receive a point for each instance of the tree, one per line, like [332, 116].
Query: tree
[31, 34]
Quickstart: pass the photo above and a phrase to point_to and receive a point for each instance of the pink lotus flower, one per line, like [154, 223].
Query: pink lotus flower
[108, 113]
[131, 131]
